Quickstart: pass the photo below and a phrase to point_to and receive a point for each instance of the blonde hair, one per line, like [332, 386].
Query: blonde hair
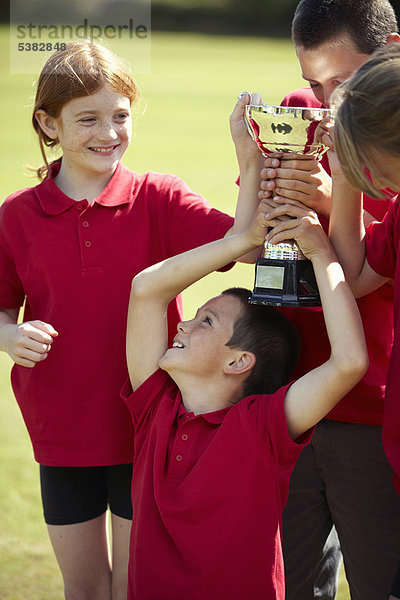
[80, 70]
[367, 118]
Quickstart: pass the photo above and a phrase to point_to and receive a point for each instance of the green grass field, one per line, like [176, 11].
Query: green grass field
[182, 128]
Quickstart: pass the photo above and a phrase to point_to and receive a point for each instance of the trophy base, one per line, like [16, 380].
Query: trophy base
[285, 283]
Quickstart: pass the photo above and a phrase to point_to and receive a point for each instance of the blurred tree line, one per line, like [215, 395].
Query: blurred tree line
[248, 17]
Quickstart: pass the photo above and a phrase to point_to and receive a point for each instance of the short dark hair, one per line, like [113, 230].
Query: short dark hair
[271, 337]
[368, 23]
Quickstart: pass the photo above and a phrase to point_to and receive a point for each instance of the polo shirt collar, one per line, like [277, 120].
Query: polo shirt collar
[119, 190]
[216, 417]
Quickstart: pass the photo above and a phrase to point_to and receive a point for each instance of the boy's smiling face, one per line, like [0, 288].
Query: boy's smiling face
[199, 347]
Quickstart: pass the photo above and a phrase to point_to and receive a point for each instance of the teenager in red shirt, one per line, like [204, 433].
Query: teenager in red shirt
[69, 248]
[367, 138]
[216, 434]
[332, 40]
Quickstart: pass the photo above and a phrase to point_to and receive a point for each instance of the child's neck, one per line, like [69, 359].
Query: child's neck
[80, 186]
[202, 396]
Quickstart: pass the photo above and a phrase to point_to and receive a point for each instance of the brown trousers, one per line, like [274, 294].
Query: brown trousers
[341, 479]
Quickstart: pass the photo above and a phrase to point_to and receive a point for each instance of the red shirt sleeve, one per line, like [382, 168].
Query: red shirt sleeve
[142, 402]
[382, 239]
[192, 221]
[11, 290]
[266, 417]
[302, 97]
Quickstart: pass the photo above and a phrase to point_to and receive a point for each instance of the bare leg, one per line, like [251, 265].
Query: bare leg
[81, 550]
[121, 530]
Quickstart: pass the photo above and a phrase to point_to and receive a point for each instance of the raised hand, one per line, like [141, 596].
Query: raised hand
[297, 177]
[302, 226]
[325, 133]
[246, 148]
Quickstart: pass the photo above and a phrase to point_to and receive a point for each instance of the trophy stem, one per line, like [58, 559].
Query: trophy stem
[283, 251]
[285, 277]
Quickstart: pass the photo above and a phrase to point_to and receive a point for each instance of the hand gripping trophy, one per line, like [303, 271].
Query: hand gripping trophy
[284, 277]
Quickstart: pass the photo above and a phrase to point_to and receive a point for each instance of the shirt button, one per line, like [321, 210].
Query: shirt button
[185, 436]
[79, 207]
[88, 244]
[179, 457]
[85, 224]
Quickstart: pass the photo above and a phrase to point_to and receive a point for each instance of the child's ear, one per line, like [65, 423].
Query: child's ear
[242, 362]
[47, 124]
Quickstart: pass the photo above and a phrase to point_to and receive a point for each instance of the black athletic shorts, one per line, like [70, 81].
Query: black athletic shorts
[77, 494]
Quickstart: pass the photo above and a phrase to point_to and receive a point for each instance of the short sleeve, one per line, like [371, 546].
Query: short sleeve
[11, 289]
[302, 97]
[382, 240]
[267, 420]
[142, 402]
[192, 221]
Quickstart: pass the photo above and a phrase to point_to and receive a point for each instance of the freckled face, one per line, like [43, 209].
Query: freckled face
[94, 132]
[200, 344]
[328, 65]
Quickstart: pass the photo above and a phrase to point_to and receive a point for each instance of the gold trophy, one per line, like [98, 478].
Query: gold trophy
[284, 277]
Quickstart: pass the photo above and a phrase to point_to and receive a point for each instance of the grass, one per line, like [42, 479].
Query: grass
[182, 128]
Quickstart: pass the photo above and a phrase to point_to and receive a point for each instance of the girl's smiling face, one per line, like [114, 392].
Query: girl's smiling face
[94, 132]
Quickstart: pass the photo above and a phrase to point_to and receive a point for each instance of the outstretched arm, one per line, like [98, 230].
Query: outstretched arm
[155, 287]
[250, 161]
[312, 396]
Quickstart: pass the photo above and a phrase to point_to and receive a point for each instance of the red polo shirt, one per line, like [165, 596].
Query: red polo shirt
[208, 495]
[364, 403]
[383, 240]
[73, 262]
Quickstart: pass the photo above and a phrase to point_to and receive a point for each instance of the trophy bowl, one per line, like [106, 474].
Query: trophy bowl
[284, 277]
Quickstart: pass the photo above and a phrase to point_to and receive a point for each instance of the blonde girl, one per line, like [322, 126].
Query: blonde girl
[365, 155]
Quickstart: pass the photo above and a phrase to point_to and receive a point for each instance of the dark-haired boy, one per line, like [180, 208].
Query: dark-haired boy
[211, 464]
[343, 477]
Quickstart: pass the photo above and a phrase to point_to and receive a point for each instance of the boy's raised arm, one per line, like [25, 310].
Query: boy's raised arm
[156, 286]
[250, 162]
[312, 396]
